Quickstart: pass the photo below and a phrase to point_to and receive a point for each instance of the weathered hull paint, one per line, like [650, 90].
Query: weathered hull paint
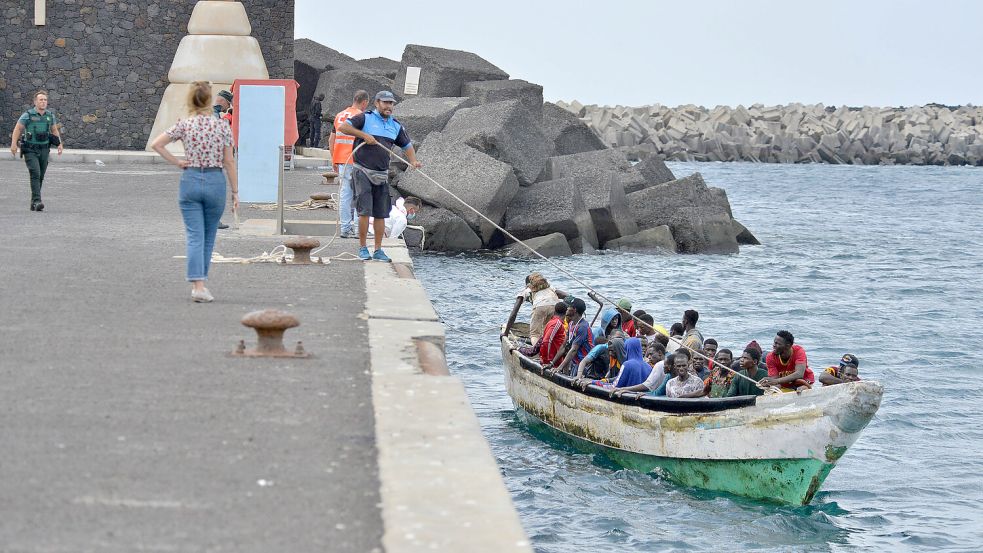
[781, 449]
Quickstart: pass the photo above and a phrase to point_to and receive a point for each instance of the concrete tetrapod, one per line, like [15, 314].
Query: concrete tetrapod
[270, 324]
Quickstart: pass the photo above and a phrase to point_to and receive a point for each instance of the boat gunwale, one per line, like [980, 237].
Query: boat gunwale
[635, 399]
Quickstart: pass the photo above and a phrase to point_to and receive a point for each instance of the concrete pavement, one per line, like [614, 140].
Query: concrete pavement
[126, 426]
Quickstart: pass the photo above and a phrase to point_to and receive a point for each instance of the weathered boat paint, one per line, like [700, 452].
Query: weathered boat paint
[782, 448]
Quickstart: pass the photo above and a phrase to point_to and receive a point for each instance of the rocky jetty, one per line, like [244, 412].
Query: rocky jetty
[795, 133]
[534, 168]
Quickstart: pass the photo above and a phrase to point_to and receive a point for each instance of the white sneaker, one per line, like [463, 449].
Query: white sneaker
[202, 297]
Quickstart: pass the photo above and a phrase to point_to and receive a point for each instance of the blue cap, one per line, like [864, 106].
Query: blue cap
[385, 96]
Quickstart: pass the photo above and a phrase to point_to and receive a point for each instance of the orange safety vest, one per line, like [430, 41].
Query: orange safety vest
[343, 143]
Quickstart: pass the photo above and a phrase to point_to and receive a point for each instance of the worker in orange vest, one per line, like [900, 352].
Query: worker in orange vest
[341, 146]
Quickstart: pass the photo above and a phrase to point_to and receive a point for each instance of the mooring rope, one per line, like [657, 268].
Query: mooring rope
[571, 275]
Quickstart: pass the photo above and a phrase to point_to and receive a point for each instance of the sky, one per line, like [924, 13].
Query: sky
[704, 52]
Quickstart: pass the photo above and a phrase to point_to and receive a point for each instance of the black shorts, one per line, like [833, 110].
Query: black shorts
[371, 200]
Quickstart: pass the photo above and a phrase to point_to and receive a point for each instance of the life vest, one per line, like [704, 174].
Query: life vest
[38, 128]
[343, 143]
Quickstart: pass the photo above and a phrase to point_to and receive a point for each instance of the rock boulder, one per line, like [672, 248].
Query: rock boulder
[310, 60]
[503, 131]
[444, 72]
[339, 85]
[548, 207]
[657, 239]
[567, 133]
[445, 232]
[486, 92]
[385, 66]
[483, 182]
[551, 245]
[422, 116]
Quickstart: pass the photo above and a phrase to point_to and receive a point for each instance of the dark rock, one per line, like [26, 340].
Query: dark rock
[422, 116]
[445, 232]
[443, 72]
[657, 239]
[567, 133]
[699, 223]
[654, 170]
[339, 86]
[548, 207]
[551, 245]
[504, 131]
[605, 198]
[386, 66]
[586, 163]
[311, 59]
[744, 236]
[485, 183]
[487, 92]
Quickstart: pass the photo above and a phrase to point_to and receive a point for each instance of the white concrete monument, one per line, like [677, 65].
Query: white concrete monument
[218, 49]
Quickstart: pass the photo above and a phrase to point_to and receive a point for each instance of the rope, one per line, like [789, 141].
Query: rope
[568, 273]
[309, 204]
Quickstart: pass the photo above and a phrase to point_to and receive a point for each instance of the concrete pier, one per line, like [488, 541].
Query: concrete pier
[126, 425]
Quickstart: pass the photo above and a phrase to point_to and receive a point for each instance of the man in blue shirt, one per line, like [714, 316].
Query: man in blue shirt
[375, 132]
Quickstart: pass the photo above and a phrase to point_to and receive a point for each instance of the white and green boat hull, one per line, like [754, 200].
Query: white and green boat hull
[781, 448]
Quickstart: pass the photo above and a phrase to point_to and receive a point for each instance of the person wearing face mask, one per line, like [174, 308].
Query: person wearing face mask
[400, 214]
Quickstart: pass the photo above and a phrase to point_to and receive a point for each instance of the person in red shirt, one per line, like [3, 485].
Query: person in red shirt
[627, 321]
[554, 333]
[787, 365]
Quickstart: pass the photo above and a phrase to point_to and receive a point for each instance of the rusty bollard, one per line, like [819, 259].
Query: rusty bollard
[270, 324]
[302, 246]
[321, 197]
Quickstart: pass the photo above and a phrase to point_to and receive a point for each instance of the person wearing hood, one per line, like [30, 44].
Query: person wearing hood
[610, 321]
[634, 370]
[604, 361]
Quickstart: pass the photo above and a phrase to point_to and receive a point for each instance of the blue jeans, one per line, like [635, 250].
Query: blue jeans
[347, 190]
[202, 201]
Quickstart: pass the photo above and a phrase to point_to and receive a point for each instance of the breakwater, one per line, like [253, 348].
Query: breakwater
[795, 133]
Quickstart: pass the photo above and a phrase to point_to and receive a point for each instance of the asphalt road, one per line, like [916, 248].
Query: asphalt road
[124, 423]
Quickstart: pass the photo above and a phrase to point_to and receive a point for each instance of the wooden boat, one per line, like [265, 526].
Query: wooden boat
[776, 447]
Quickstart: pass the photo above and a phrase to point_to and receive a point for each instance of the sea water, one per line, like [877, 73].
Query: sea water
[882, 262]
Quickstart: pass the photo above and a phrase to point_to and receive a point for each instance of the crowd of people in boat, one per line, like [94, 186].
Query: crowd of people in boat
[629, 352]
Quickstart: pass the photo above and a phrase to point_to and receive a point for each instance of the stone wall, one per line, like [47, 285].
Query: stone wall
[795, 133]
[105, 62]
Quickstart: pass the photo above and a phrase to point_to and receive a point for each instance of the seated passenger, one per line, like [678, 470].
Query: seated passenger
[554, 334]
[788, 367]
[628, 323]
[646, 330]
[848, 371]
[634, 370]
[603, 360]
[685, 384]
[578, 342]
[710, 349]
[720, 376]
[749, 367]
[676, 335]
[656, 378]
[699, 366]
[610, 321]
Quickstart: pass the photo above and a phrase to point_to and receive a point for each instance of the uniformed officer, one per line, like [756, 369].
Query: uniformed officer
[37, 125]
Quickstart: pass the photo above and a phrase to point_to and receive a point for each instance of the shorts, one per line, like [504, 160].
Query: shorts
[371, 200]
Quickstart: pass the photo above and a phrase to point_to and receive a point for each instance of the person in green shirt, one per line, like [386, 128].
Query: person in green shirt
[36, 126]
[749, 368]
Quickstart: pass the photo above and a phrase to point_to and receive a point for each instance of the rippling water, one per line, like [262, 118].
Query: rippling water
[883, 262]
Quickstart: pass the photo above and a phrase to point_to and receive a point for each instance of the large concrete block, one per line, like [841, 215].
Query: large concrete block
[588, 162]
[567, 133]
[339, 86]
[444, 232]
[698, 221]
[240, 57]
[310, 60]
[551, 245]
[548, 207]
[385, 66]
[422, 116]
[444, 72]
[654, 169]
[487, 92]
[504, 131]
[210, 17]
[652, 240]
[743, 235]
[485, 183]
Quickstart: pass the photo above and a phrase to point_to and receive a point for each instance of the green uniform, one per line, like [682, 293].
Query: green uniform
[36, 146]
[741, 387]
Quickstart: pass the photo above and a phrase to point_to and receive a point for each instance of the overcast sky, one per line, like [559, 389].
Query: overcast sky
[709, 52]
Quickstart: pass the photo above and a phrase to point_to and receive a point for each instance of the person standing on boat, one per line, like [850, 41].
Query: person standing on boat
[692, 338]
[627, 322]
[543, 298]
[749, 367]
[788, 367]
[685, 384]
[848, 371]
[579, 341]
